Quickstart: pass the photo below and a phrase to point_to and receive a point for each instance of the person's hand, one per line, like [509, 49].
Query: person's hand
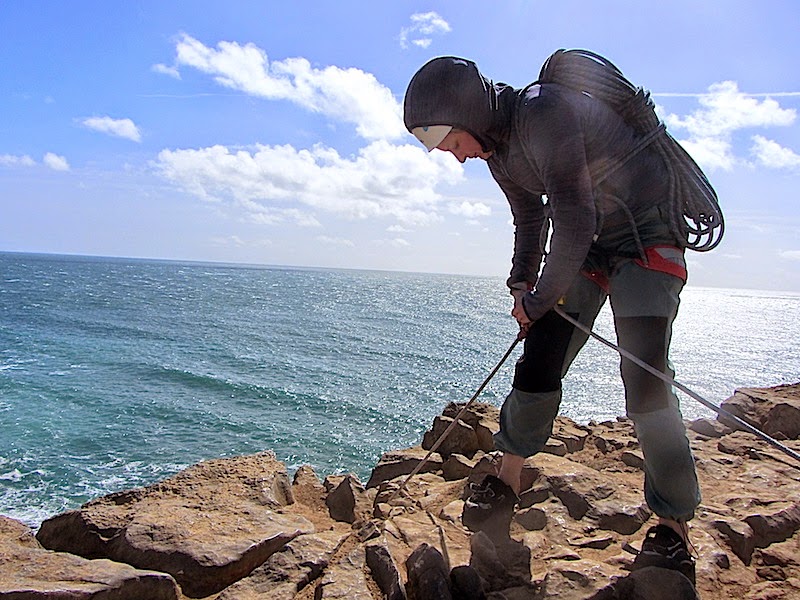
[518, 312]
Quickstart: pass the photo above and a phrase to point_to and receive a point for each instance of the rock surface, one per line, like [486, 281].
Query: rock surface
[238, 528]
[29, 571]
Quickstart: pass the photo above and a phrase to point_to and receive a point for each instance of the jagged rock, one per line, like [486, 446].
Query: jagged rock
[739, 537]
[384, 572]
[578, 522]
[531, 518]
[785, 554]
[650, 583]
[345, 577]
[772, 410]
[289, 570]
[402, 462]
[30, 572]
[500, 563]
[348, 501]
[483, 418]
[586, 493]
[576, 580]
[457, 466]
[610, 436]
[633, 458]
[428, 575]
[555, 447]
[573, 436]
[461, 438]
[208, 526]
[307, 488]
[465, 584]
[407, 532]
[711, 428]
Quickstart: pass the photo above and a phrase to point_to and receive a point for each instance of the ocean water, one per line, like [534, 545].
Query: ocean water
[116, 373]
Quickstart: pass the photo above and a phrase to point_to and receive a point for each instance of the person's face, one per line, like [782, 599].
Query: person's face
[463, 146]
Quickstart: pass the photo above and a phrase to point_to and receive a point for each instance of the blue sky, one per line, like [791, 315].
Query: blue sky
[270, 132]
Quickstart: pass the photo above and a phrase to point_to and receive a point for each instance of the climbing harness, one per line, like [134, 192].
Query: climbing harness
[694, 212]
[653, 371]
[460, 414]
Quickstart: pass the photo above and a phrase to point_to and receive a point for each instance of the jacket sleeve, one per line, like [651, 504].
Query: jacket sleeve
[551, 133]
[527, 211]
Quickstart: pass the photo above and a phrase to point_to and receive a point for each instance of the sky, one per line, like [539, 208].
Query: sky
[271, 132]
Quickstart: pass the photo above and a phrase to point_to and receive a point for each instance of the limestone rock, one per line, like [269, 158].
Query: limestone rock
[385, 572]
[31, 572]
[288, 570]
[428, 575]
[235, 528]
[461, 438]
[345, 577]
[651, 583]
[774, 411]
[348, 501]
[208, 526]
[586, 493]
[402, 462]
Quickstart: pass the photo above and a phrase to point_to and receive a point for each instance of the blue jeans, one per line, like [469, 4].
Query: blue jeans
[644, 303]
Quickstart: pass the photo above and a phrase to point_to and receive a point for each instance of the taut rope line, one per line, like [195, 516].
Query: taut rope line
[652, 370]
[460, 414]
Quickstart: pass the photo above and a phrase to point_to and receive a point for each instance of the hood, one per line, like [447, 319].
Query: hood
[452, 91]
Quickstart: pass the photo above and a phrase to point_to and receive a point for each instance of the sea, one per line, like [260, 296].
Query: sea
[116, 373]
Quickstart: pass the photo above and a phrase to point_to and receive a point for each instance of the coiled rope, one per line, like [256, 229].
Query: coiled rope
[694, 212]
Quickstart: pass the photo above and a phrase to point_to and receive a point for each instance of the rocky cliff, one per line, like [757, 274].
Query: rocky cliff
[241, 528]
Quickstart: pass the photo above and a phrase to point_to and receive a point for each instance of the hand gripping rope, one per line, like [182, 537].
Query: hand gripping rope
[650, 369]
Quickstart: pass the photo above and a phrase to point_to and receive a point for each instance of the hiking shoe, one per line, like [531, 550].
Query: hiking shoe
[490, 506]
[663, 547]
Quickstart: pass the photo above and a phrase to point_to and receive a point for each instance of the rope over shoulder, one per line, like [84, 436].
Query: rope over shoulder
[694, 211]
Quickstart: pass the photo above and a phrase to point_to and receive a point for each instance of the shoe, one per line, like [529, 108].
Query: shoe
[663, 547]
[490, 506]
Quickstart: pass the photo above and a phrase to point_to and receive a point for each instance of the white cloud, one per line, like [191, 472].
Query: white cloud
[55, 162]
[349, 95]
[423, 26]
[383, 180]
[471, 210]
[11, 160]
[793, 255]
[124, 128]
[166, 70]
[724, 111]
[771, 154]
[330, 241]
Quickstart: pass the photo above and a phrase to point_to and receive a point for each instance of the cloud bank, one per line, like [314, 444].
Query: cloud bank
[347, 95]
[724, 111]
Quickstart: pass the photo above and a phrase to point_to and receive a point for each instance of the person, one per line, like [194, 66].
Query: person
[609, 237]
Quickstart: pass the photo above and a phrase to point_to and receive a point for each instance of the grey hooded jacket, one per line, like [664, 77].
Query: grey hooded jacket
[549, 144]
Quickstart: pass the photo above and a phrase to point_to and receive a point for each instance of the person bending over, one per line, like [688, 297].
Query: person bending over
[570, 165]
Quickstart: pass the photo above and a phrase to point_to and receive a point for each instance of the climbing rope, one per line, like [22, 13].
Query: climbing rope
[460, 414]
[666, 378]
[694, 212]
